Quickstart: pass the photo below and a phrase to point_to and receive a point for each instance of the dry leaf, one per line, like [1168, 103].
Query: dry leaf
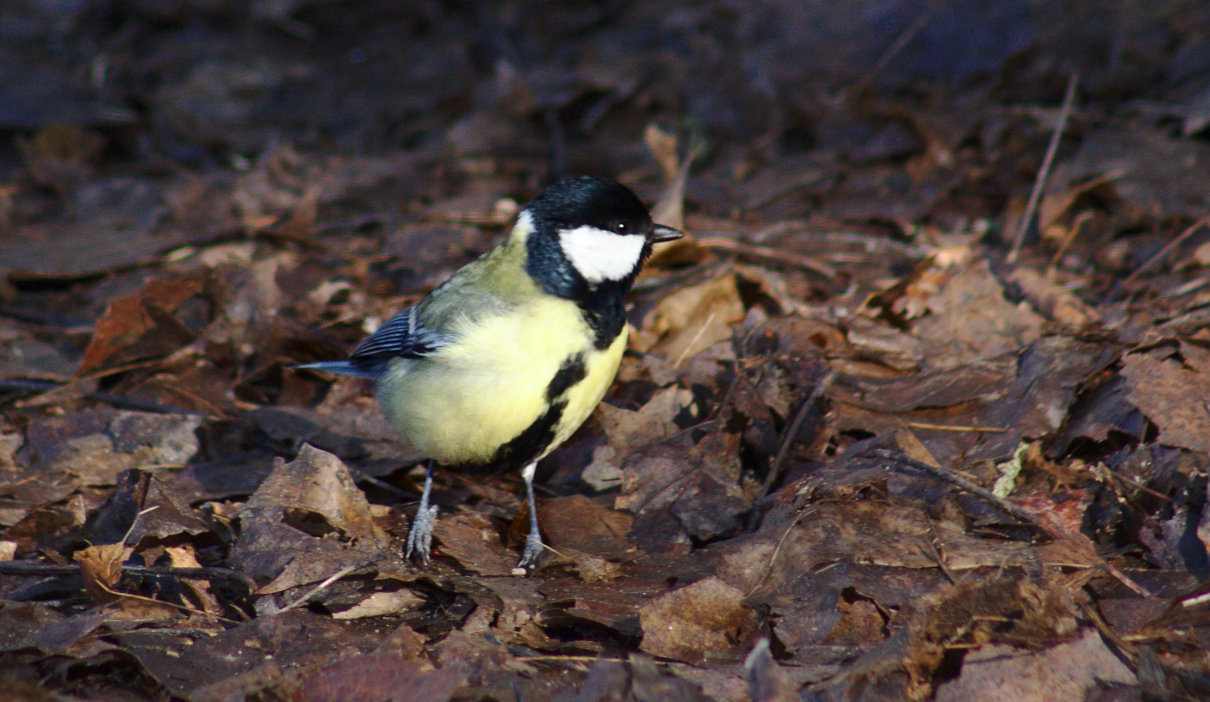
[692, 319]
[705, 621]
[1069, 671]
[101, 568]
[1172, 393]
[382, 603]
[184, 557]
[140, 325]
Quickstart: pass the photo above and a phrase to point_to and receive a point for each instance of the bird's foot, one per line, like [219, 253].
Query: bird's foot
[533, 549]
[420, 537]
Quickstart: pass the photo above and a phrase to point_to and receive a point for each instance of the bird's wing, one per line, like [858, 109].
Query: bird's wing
[435, 321]
[401, 336]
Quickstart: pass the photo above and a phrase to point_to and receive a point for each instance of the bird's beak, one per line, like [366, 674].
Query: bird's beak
[663, 233]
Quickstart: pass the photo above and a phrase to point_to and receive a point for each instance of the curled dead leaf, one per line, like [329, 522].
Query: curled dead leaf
[142, 324]
[101, 568]
[382, 603]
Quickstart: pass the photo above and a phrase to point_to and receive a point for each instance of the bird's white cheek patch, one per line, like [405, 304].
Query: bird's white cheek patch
[600, 255]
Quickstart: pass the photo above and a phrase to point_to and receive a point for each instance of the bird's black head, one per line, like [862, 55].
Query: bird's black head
[587, 239]
[593, 202]
[600, 227]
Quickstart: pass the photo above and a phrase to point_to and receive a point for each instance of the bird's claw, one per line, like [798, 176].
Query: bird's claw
[533, 549]
[420, 537]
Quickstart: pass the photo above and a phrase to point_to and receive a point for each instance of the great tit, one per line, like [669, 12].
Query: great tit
[505, 360]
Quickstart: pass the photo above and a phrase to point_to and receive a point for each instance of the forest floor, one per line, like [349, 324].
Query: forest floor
[919, 409]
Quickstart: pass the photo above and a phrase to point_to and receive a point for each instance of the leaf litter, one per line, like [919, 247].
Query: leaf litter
[855, 450]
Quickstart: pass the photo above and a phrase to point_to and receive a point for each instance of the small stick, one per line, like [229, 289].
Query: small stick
[327, 583]
[134, 522]
[904, 38]
[776, 551]
[787, 439]
[1035, 195]
[1126, 580]
[1162, 253]
[1076, 227]
[969, 428]
[767, 253]
[702, 330]
[46, 570]
[173, 605]
[569, 659]
[965, 484]
[933, 551]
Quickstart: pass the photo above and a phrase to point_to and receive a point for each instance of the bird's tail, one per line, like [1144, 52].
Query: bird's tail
[339, 367]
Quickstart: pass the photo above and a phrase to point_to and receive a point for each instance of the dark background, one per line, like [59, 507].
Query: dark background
[196, 194]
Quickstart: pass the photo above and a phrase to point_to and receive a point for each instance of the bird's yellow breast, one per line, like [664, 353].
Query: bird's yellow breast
[493, 385]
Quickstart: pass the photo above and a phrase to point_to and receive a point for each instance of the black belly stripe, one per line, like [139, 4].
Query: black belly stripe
[530, 443]
[571, 372]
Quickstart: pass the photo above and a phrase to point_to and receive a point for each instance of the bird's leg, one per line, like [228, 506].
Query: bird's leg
[533, 542]
[420, 537]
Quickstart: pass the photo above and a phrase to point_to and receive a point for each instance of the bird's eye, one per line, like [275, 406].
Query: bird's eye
[620, 227]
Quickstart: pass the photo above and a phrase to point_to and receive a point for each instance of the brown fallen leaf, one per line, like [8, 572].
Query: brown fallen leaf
[1068, 671]
[628, 430]
[576, 522]
[592, 568]
[142, 325]
[381, 603]
[306, 521]
[1170, 386]
[670, 209]
[911, 446]
[692, 319]
[1139, 166]
[970, 320]
[703, 622]
[862, 532]
[767, 681]
[1058, 203]
[184, 557]
[874, 341]
[474, 542]
[101, 568]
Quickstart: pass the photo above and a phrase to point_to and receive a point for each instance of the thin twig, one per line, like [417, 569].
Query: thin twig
[702, 330]
[326, 583]
[932, 550]
[134, 522]
[361, 476]
[46, 570]
[1074, 231]
[1035, 195]
[1162, 253]
[570, 659]
[767, 253]
[970, 428]
[776, 551]
[1126, 580]
[965, 484]
[787, 439]
[904, 38]
[41, 385]
[173, 605]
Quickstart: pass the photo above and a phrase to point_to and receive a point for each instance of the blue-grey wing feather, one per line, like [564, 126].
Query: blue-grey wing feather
[401, 336]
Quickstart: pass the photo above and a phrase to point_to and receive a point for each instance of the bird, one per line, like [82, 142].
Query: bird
[503, 362]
